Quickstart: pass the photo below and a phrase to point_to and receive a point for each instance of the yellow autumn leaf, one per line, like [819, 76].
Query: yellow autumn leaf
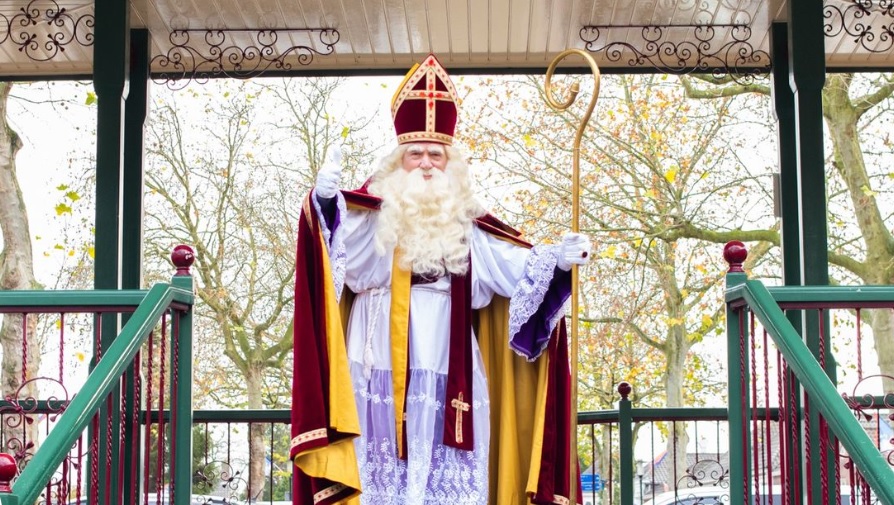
[529, 141]
[91, 251]
[866, 191]
[671, 175]
[706, 320]
[609, 252]
[80, 356]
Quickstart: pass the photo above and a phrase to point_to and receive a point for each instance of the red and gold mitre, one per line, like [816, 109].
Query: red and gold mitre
[424, 106]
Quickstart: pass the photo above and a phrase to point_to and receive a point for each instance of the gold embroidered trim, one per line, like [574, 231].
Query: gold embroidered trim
[329, 492]
[424, 136]
[308, 436]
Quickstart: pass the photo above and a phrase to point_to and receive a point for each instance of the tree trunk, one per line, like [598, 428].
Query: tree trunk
[677, 438]
[842, 118]
[21, 349]
[258, 448]
[882, 323]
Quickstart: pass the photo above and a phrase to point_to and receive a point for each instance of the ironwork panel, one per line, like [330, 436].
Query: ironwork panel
[390, 35]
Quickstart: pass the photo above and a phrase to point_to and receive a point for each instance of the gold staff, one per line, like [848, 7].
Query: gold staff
[575, 227]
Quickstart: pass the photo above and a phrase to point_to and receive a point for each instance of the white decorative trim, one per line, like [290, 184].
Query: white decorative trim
[338, 257]
[530, 292]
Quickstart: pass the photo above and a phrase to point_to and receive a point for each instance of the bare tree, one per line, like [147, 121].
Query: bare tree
[856, 109]
[221, 178]
[659, 175]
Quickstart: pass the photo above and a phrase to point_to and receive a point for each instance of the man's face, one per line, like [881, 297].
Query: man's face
[425, 155]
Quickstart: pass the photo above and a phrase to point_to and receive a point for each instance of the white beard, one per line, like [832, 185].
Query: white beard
[427, 220]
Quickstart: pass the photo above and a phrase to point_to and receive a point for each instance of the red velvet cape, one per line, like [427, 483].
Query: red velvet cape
[310, 385]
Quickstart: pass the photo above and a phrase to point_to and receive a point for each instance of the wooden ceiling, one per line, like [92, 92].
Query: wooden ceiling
[47, 37]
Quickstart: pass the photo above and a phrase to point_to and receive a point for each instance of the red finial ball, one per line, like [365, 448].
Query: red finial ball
[8, 471]
[625, 389]
[734, 253]
[183, 257]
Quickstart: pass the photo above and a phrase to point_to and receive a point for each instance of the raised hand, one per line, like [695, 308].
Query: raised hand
[329, 176]
[574, 250]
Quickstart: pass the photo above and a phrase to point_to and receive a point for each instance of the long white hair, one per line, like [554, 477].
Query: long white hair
[429, 221]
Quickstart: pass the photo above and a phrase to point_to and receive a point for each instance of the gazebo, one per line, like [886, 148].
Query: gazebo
[124, 45]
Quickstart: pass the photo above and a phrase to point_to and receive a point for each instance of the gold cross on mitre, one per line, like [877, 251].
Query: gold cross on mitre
[460, 407]
[424, 106]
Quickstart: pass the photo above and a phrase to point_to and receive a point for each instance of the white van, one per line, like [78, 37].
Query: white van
[705, 495]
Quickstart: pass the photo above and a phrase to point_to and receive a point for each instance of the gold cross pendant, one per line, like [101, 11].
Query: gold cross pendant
[460, 407]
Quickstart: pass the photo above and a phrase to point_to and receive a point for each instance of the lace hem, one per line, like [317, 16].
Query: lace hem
[433, 474]
[444, 476]
[336, 240]
[529, 294]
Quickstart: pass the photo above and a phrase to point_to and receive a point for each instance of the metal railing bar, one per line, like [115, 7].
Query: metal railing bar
[105, 376]
[823, 393]
[76, 298]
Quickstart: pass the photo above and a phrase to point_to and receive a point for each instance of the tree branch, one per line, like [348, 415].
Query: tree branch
[720, 88]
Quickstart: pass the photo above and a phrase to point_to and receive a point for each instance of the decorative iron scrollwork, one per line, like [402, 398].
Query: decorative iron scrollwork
[216, 55]
[869, 22]
[218, 477]
[705, 472]
[21, 410]
[735, 57]
[872, 411]
[25, 29]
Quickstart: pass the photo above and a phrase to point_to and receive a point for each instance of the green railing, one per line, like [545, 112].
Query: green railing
[744, 297]
[108, 372]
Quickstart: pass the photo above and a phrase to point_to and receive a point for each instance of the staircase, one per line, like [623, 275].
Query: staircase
[130, 434]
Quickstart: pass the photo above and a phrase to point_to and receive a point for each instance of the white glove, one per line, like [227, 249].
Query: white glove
[574, 250]
[329, 176]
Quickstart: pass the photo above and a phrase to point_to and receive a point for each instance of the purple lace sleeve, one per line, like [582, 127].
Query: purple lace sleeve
[538, 302]
[334, 236]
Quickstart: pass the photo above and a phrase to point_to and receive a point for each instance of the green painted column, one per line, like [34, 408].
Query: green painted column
[135, 109]
[181, 391]
[625, 443]
[787, 196]
[790, 215]
[807, 74]
[110, 67]
[737, 381]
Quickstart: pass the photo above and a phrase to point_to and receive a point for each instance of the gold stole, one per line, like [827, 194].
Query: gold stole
[400, 329]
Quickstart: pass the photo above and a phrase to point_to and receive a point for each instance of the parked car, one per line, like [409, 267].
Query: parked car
[705, 495]
[719, 495]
